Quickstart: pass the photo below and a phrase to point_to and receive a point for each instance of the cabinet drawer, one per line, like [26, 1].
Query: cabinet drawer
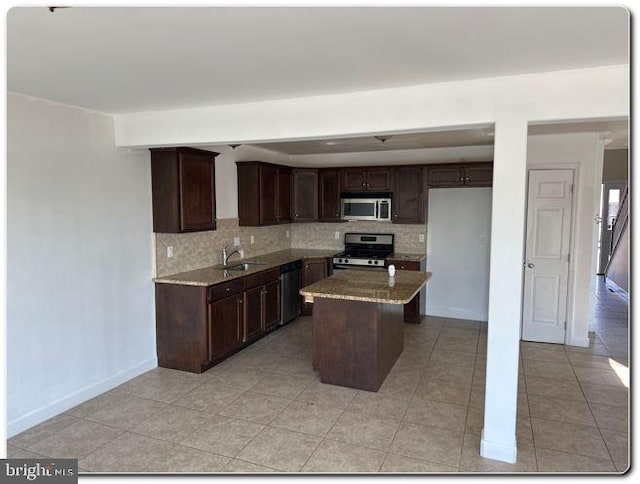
[225, 289]
[261, 278]
[405, 265]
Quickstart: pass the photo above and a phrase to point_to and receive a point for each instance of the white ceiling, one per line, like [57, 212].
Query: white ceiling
[128, 59]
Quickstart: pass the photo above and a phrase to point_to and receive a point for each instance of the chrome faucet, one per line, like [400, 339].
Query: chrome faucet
[226, 257]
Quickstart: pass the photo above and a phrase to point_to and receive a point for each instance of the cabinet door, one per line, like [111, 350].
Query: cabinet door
[283, 207]
[479, 175]
[252, 313]
[268, 180]
[408, 196]
[329, 195]
[379, 179]
[271, 304]
[197, 192]
[225, 325]
[313, 270]
[305, 195]
[446, 176]
[353, 180]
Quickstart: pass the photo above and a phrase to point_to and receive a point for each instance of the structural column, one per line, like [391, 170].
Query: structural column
[505, 289]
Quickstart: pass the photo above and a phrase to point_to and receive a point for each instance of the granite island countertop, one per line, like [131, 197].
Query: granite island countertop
[209, 276]
[368, 286]
[406, 256]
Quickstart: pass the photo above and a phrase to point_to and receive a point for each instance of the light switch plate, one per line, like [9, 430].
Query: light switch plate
[288, 234]
[236, 241]
[420, 237]
[336, 235]
[252, 239]
[169, 252]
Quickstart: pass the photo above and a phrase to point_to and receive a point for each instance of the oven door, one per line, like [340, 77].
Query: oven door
[358, 209]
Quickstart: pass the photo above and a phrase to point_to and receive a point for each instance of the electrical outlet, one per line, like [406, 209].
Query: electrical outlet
[169, 252]
[336, 235]
[252, 239]
[420, 237]
[236, 241]
[288, 234]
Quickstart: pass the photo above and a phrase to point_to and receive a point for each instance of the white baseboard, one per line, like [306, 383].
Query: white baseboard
[497, 451]
[577, 341]
[62, 404]
[617, 289]
[446, 312]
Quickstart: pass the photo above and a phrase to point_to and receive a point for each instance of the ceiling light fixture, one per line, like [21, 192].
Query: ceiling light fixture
[53, 9]
[383, 138]
[233, 147]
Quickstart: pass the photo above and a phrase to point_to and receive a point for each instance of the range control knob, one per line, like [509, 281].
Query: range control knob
[346, 261]
[370, 262]
[376, 262]
[340, 261]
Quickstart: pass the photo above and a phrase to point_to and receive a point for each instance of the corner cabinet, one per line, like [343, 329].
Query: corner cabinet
[264, 193]
[305, 195]
[183, 189]
[467, 175]
[367, 179]
[409, 196]
[197, 326]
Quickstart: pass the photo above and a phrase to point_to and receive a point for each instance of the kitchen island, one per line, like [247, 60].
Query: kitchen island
[358, 329]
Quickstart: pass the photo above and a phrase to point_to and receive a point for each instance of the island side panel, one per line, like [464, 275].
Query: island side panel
[390, 338]
[356, 343]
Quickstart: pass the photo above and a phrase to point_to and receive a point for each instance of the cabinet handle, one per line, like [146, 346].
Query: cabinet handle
[239, 303]
[228, 289]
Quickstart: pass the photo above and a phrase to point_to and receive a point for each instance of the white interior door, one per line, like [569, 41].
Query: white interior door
[549, 205]
[611, 193]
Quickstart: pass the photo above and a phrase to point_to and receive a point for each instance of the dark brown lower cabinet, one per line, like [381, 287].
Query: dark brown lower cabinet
[225, 326]
[261, 303]
[313, 270]
[412, 310]
[197, 326]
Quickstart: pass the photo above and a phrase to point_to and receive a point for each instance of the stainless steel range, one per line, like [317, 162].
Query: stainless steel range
[364, 250]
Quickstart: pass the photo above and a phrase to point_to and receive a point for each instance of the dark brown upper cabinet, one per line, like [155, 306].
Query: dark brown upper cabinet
[283, 207]
[329, 195]
[367, 179]
[305, 195]
[183, 189]
[467, 175]
[264, 193]
[409, 197]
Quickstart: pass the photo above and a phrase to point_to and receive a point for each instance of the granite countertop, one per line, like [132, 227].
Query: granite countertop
[369, 286]
[208, 276]
[406, 256]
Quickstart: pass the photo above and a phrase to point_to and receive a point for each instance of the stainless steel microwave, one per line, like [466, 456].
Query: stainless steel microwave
[365, 207]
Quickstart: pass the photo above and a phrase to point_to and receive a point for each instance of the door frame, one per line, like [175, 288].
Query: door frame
[572, 240]
[603, 217]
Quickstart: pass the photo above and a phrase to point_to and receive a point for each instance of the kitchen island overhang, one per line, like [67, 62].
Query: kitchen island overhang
[358, 328]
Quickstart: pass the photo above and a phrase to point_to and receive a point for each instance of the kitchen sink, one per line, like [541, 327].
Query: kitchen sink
[245, 266]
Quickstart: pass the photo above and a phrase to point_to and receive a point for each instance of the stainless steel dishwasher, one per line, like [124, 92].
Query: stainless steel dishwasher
[290, 291]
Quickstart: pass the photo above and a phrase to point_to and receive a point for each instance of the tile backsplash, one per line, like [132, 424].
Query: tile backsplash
[322, 235]
[201, 249]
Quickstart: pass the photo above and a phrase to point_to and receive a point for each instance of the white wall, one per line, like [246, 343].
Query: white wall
[584, 153]
[458, 242]
[80, 315]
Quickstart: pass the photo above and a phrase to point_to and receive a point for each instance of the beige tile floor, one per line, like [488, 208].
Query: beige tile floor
[264, 410]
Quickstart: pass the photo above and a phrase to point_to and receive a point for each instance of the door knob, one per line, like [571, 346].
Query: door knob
[530, 265]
